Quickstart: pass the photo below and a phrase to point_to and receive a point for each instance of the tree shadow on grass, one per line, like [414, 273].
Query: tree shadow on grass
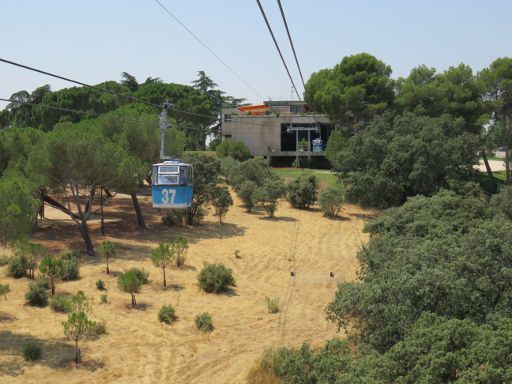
[364, 216]
[6, 317]
[337, 218]
[56, 354]
[140, 307]
[279, 218]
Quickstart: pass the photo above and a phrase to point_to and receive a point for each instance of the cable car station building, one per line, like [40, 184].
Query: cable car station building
[279, 131]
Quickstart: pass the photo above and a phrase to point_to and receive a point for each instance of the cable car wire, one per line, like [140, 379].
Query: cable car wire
[278, 49]
[208, 48]
[291, 42]
[78, 82]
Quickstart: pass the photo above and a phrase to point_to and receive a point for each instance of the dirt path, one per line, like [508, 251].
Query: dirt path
[138, 348]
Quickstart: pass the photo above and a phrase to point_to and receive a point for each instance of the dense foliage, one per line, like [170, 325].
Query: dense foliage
[302, 191]
[433, 303]
[235, 149]
[216, 278]
[407, 155]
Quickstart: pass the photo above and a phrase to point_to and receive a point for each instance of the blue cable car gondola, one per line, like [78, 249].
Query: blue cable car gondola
[172, 184]
[172, 180]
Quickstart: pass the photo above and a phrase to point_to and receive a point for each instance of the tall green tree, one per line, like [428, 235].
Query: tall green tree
[76, 162]
[352, 92]
[496, 86]
[394, 158]
[18, 208]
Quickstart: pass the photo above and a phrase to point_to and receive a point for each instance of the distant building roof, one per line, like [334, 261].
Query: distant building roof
[283, 103]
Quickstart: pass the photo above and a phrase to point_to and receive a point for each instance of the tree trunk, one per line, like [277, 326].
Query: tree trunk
[52, 284]
[165, 281]
[77, 353]
[84, 229]
[138, 211]
[108, 270]
[489, 171]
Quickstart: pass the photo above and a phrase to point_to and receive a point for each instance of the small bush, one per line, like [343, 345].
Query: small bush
[70, 269]
[4, 260]
[302, 191]
[42, 283]
[17, 267]
[235, 149]
[98, 328]
[272, 305]
[100, 284]
[215, 278]
[171, 219]
[104, 299]
[31, 351]
[36, 295]
[141, 274]
[204, 322]
[331, 200]
[60, 304]
[167, 314]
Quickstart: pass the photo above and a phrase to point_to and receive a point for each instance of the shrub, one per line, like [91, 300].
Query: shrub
[221, 201]
[167, 314]
[104, 299]
[70, 269]
[100, 284]
[171, 218]
[302, 191]
[245, 193]
[36, 295]
[17, 267]
[4, 260]
[235, 149]
[331, 200]
[141, 274]
[269, 193]
[204, 322]
[98, 328]
[42, 283]
[215, 278]
[180, 246]
[31, 351]
[60, 304]
[228, 166]
[272, 305]
[4, 289]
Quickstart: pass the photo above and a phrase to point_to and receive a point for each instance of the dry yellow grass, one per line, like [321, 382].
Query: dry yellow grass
[137, 348]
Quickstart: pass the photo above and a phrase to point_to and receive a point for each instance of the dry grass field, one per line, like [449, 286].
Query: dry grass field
[137, 348]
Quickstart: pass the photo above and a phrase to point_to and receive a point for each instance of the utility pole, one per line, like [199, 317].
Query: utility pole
[162, 123]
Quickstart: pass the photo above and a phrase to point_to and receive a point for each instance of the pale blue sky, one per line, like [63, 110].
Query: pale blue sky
[95, 40]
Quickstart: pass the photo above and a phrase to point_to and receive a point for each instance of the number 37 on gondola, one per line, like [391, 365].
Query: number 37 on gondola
[172, 184]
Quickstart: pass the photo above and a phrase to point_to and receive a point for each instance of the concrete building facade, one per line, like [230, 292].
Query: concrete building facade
[280, 131]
